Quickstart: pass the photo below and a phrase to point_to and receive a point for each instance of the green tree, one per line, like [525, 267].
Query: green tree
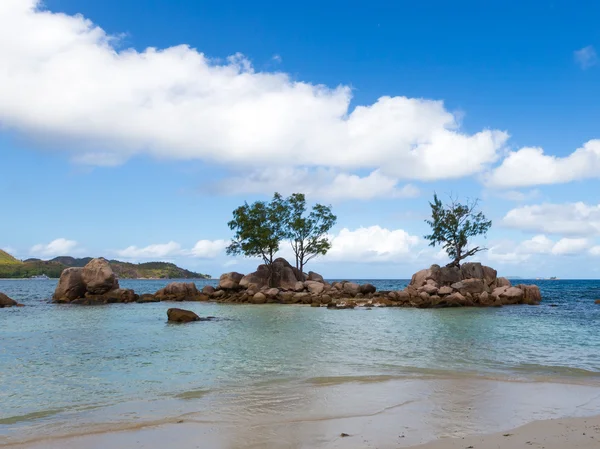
[453, 225]
[259, 229]
[308, 233]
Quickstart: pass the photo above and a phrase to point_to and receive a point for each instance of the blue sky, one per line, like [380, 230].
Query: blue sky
[131, 129]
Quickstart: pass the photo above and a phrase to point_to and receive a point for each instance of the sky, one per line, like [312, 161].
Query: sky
[132, 129]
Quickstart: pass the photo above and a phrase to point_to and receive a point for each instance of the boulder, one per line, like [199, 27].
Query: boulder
[489, 275]
[178, 291]
[445, 290]
[503, 282]
[230, 281]
[5, 301]
[147, 297]
[181, 316]
[312, 276]
[471, 270]
[531, 294]
[281, 275]
[259, 298]
[271, 292]
[402, 296]
[70, 285]
[98, 277]
[124, 295]
[448, 276]
[512, 295]
[366, 289]
[597, 301]
[314, 287]
[455, 300]
[208, 289]
[419, 278]
[429, 289]
[472, 286]
[299, 287]
[457, 285]
[351, 288]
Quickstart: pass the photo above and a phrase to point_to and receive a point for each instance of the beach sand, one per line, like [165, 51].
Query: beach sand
[436, 414]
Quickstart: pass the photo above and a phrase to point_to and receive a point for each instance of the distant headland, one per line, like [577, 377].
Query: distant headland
[11, 267]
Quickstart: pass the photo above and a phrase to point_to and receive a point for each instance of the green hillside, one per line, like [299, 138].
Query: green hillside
[7, 259]
[11, 267]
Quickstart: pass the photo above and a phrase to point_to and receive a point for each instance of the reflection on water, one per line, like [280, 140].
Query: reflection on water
[69, 367]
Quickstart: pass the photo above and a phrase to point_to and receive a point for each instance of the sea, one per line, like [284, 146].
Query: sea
[70, 369]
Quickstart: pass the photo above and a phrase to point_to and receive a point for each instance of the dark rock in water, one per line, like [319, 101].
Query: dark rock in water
[98, 277]
[70, 285]
[5, 301]
[597, 301]
[181, 316]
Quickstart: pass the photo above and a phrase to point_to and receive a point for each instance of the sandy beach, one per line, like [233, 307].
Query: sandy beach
[436, 414]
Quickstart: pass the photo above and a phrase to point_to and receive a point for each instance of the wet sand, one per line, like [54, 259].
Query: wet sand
[437, 413]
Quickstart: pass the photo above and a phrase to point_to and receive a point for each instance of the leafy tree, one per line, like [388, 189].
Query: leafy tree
[453, 225]
[308, 234]
[259, 229]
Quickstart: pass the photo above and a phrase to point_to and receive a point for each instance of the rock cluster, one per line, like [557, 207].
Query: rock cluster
[473, 284]
[470, 285]
[93, 284]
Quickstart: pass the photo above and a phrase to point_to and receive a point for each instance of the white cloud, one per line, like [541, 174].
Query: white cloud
[576, 219]
[586, 57]
[158, 250]
[64, 78]
[372, 244]
[58, 247]
[519, 196]
[570, 246]
[322, 183]
[208, 249]
[510, 252]
[595, 251]
[530, 166]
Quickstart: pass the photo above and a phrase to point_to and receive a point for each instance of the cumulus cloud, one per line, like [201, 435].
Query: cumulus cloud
[586, 57]
[204, 249]
[576, 219]
[58, 247]
[595, 251]
[371, 244]
[155, 251]
[322, 183]
[530, 166]
[65, 78]
[208, 249]
[510, 252]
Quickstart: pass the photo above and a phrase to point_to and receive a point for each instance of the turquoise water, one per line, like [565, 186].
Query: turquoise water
[63, 367]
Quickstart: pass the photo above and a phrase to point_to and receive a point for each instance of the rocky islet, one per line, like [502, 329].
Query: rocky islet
[471, 285]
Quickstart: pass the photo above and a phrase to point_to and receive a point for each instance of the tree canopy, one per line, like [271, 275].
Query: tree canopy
[453, 224]
[308, 234]
[261, 227]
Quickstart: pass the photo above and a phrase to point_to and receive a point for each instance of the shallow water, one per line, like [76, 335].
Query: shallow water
[71, 367]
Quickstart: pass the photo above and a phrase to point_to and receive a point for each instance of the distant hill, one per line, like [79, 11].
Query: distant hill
[7, 259]
[10, 267]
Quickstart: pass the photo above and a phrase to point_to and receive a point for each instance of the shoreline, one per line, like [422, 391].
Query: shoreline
[433, 413]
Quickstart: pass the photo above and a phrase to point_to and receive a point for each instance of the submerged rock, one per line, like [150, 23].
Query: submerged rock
[5, 301]
[181, 316]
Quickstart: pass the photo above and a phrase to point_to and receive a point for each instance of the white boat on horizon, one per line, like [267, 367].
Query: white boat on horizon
[41, 277]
